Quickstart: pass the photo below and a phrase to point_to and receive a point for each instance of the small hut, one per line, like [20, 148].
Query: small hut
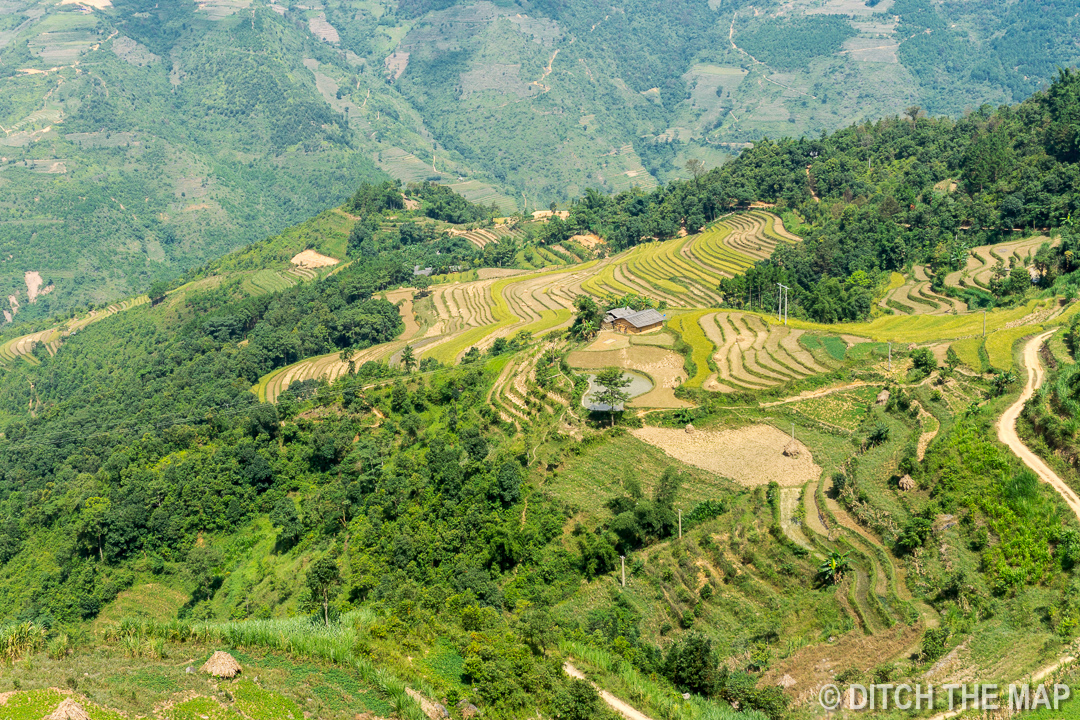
[222, 665]
[906, 483]
[68, 710]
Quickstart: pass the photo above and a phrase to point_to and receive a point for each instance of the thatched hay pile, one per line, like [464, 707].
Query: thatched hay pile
[68, 710]
[222, 665]
[793, 449]
[906, 483]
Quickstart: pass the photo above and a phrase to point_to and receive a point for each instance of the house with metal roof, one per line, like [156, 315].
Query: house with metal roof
[628, 320]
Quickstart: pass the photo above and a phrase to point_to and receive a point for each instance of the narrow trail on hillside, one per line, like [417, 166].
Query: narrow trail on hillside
[613, 702]
[1007, 425]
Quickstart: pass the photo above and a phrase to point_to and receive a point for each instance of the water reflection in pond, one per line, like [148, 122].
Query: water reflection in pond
[639, 385]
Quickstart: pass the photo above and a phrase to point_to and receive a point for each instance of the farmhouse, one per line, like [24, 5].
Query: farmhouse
[625, 319]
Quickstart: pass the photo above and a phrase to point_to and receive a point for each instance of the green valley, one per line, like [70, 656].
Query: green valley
[691, 450]
[140, 140]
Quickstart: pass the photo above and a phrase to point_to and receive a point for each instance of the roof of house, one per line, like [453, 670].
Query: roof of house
[618, 313]
[644, 318]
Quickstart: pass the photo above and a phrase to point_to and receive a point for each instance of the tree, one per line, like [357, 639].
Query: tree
[157, 291]
[576, 700]
[832, 570]
[696, 168]
[691, 664]
[95, 523]
[422, 283]
[667, 488]
[408, 359]
[913, 113]
[201, 568]
[613, 384]
[924, 361]
[322, 580]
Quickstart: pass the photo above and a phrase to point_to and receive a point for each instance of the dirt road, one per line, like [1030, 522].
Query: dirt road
[1007, 425]
[615, 703]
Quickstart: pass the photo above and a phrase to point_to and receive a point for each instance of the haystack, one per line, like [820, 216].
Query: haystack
[689, 428]
[906, 483]
[787, 682]
[792, 450]
[68, 710]
[222, 665]
[882, 398]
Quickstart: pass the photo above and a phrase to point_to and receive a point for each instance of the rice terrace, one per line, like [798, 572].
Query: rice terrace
[698, 449]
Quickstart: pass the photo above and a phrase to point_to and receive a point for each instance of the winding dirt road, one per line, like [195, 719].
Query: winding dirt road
[1007, 425]
[613, 702]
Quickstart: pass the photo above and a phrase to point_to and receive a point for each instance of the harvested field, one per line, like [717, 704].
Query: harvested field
[915, 297]
[661, 339]
[312, 259]
[982, 261]
[663, 366]
[750, 456]
[752, 354]
[492, 273]
[608, 340]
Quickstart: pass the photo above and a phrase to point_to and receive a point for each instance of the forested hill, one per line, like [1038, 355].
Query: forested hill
[875, 197]
[460, 519]
[141, 138]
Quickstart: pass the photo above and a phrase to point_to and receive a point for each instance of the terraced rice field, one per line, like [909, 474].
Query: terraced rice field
[685, 271]
[330, 367]
[485, 236]
[914, 297]
[752, 354]
[268, 281]
[981, 261]
[521, 394]
[23, 346]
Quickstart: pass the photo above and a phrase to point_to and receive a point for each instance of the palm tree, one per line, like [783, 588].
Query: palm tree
[832, 570]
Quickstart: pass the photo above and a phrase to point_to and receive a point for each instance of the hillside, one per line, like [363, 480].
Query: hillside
[160, 136]
[386, 447]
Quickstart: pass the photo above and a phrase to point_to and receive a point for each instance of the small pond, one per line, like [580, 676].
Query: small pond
[639, 385]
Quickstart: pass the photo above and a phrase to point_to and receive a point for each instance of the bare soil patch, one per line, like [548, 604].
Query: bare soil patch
[750, 456]
[816, 665]
[490, 273]
[590, 241]
[33, 284]
[608, 340]
[312, 259]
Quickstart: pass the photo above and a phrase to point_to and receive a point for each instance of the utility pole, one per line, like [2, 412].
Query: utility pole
[623, 558]
[785, 294]
[792, 431]
[779, 301]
